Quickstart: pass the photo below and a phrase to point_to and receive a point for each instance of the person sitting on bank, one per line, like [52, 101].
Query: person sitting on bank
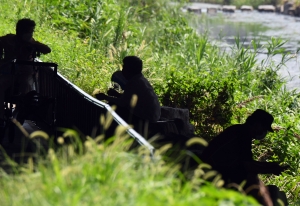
[19, 46]
[230, 153]
[147, 107]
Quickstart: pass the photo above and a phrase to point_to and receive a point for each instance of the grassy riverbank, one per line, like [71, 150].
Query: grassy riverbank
[89, 40]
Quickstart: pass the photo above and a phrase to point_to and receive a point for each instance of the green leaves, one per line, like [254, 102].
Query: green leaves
[209, 101]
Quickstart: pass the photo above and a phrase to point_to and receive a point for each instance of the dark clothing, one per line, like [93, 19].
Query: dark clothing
[147, 106]
[228, 152]
[137, 123]
[12, 47]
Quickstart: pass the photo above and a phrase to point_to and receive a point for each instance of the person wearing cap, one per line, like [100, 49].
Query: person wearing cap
[230, 152]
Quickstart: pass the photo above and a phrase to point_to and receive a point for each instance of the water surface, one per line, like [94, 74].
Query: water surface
[223, 28]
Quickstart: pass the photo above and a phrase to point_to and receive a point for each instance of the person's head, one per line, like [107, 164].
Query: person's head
[261, 122]
[25, 28]
[132, 65]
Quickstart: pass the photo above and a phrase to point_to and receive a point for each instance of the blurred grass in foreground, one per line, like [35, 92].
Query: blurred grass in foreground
[107, 174]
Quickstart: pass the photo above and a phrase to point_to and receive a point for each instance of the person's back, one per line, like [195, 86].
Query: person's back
[227, 152]
[8, 44]
[14, 48]
[147, 106]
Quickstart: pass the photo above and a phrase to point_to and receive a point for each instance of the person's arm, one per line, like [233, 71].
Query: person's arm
[123, 100]
[264, 167]
[113, 100]
[31, 42]
[43, 48]
[113, 93]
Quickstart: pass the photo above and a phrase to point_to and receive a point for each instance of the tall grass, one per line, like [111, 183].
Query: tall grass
[107, 174]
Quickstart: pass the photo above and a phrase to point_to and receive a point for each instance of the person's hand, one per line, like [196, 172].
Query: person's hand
[114, 93]
[101, 96]
[285, 167]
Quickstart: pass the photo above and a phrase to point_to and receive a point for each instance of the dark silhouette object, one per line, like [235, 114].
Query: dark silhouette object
[230, 154]
[138, 104]
[119, 81]
[20, 46]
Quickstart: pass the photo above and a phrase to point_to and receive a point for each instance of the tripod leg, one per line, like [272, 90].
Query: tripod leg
[3, 124]
[2, 132]
[11, 132]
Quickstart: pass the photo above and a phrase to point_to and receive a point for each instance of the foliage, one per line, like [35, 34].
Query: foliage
[209, 103]
[219, 87]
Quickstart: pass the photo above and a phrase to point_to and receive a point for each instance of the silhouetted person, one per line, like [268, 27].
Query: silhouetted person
[20, 46]
[147, 107]
[230, 153]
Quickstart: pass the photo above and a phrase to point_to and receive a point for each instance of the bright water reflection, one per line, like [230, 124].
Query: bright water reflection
[263, 26]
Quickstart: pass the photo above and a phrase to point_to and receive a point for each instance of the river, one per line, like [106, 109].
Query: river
[263, 26]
